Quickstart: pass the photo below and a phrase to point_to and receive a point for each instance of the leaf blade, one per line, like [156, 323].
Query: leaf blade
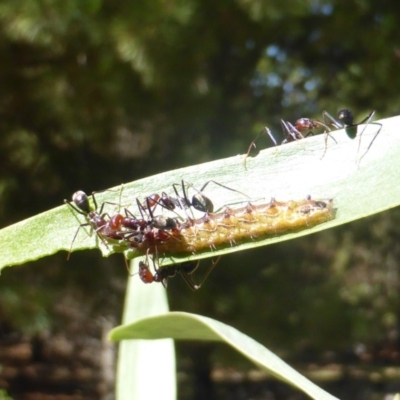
[185, 326]
[292, 171]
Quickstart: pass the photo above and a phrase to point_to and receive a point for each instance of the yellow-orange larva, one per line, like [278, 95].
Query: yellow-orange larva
[239, 225]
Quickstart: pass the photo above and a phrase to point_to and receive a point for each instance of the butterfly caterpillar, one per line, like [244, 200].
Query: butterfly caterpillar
[233, 225]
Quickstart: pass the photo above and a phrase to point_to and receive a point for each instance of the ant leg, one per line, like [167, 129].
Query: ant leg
[327, 129]
[182, 202]
[367, 120]
[186, 270]
[290, 132]
[219, 184]
[185, 203]
[205, 199]
[160, 276]
[106, 202]
[164, 201]
[127, 266]
[76, 209]
[271, 136]
[73, 240]
[189, 279]
[129, 214]
[253, 143]
[95, 203]
[332, 121]
[99, 229]
[326, 145]
[142, 210]
[185, 196]
[328, 119]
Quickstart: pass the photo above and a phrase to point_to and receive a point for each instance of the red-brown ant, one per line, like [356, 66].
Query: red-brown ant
[106, 227]
[134, 231]
[128, 229]
[186, 270]
[292, 132]
[166, 201]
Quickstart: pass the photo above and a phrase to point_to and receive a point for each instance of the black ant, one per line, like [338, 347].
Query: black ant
[186, 270]
[347, 122]
[199, 201]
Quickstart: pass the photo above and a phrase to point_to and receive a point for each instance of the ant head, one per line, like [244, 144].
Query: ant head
[81, 201]
[346, 116]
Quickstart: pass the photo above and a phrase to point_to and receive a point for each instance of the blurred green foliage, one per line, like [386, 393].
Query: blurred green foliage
[97, 93]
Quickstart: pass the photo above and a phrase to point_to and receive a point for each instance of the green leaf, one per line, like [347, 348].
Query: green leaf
[180, 325]
[291, 171]
[136, 359]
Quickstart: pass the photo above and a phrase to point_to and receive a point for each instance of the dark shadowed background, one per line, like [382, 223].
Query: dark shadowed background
[96, 93]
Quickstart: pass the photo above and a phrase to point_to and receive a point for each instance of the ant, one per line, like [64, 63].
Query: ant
[199, 201]
[166, 201]
[347, 122]
[128, 228]
[186, 270]
[148, 230]
[160, 221]
[292, 132]
[132, 231]
[96, 220]
[105, 226]
[146, 236]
